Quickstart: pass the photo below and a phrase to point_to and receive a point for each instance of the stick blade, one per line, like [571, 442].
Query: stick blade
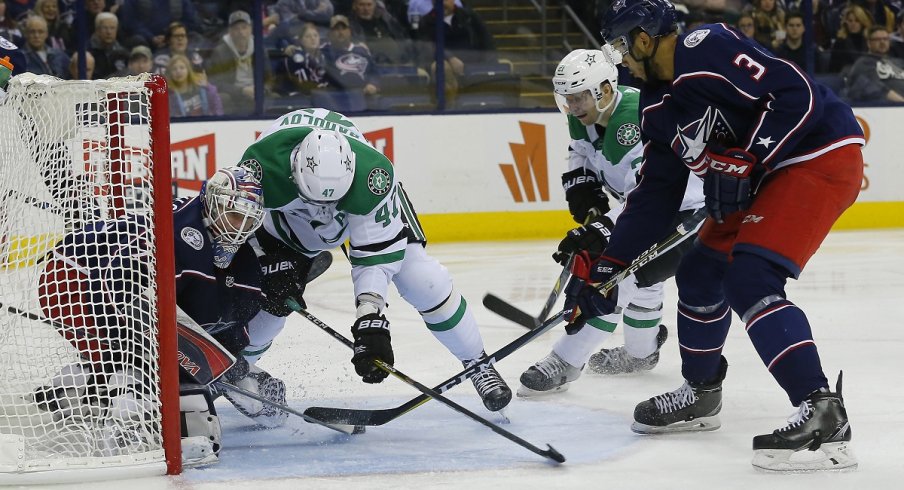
[554, 455]
[508, 311]
[349, 416]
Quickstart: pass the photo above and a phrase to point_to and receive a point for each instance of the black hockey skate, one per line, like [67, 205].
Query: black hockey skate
[817, 438]
[618, 361]
[691, 408]
[492, 389]
[552, 374]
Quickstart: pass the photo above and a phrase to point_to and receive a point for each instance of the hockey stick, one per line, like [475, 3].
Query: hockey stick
[353, 416]
[510, 312]
[194, 361]
[550, 453]
[685, 230]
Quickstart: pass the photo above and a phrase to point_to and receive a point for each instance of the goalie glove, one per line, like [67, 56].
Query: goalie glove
[584, 192]
[592, 237]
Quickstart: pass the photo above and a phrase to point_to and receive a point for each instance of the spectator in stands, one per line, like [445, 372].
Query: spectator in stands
[9, 28]
[92, 9]
[58, 31]
[466, 41]
[349, 66]
[318, 12]
[897, 38]
[230, 65]
[89, 66]
[792, 49]
[879, 12]
[41, 58]
[18, 10]
[850, 42]
[769, 22]
[876, 76]
[140, 61]
[109, 56]
[304, 65]
[746, 25]
[146, 21]
[384, 36]
[190, 96]
[417, 9]
[177, 42]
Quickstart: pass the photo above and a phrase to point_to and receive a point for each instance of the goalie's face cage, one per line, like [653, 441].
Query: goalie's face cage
[233, 203]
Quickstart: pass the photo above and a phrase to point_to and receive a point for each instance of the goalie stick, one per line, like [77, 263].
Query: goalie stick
[353, 416]
[550, 452]
[685, 230]
[200, 356]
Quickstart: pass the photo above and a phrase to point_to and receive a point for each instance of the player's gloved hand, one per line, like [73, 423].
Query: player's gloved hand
[581, 293]
[584, 192]
[592, 237]
[372, 341]
[727, 182]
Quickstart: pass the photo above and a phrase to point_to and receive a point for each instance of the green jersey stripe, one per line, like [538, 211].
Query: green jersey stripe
[411, 216]
[378, 259]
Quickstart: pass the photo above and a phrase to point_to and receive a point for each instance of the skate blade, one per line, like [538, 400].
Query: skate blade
[833, 457]
[702, 424]
[501, 416]
[525, 392]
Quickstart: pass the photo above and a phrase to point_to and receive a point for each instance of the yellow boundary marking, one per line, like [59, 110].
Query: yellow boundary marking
[536, 225]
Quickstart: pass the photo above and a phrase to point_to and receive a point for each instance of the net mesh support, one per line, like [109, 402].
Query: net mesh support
[86, 382]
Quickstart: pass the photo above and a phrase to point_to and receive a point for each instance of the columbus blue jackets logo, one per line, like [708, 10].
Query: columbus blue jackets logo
[378, 181]
[193, 238]
[628, 134]
[696, 37]
[691, 140]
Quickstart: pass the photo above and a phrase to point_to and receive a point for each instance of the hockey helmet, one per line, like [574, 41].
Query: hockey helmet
[585, 70]
[323, 166]
[655, 17]
[233, 210]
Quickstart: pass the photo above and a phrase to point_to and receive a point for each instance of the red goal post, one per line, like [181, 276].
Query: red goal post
[74, 154]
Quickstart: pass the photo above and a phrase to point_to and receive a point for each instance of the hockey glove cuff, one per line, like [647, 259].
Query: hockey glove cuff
[592, 237]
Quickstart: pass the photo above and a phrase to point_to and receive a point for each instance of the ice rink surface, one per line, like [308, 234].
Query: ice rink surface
[852, 292]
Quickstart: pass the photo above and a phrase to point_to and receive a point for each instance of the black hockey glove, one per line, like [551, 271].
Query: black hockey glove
[581, 293]
[372, 341]
[727, 184]
[584, 192]
[283, 275]
[592, 237]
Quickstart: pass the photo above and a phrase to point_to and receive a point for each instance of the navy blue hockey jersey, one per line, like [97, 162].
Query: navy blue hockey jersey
[727, 91]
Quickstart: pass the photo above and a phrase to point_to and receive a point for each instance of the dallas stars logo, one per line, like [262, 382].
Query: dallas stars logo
[348, 163]
[378, 181]
[590, 59]
[311, 163]
[628, 134]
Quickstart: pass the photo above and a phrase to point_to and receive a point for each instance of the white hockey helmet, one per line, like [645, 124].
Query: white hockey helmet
[323, 166]
[586, 70]
[233, 210]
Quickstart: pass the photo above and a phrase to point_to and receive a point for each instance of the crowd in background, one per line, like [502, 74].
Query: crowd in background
[205, 48]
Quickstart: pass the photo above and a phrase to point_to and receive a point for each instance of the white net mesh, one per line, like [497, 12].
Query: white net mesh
[79, 384]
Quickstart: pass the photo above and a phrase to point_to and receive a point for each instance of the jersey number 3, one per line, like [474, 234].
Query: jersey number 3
[744, 61]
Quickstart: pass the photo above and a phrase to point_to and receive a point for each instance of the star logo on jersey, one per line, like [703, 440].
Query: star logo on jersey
[378, 181]
[766, 142]
[348, 164]
[691, 140]
[618, 5]
[254, 167]
[311, 163]
[628, 134]
[590, 59]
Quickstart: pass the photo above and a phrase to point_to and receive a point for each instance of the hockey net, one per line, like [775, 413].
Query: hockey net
[88, 381]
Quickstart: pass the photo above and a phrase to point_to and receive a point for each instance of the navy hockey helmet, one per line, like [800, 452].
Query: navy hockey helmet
[655, 17]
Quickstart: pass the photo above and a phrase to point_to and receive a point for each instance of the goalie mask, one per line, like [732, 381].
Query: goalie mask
[233, 211]
[579, 79]
[323, 166]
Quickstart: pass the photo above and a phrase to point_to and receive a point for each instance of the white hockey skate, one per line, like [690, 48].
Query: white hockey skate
[549, 375]
[261, 382]
[618, 361]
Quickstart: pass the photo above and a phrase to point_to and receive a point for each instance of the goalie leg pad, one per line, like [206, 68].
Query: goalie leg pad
[260, 382]
[201, 432]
